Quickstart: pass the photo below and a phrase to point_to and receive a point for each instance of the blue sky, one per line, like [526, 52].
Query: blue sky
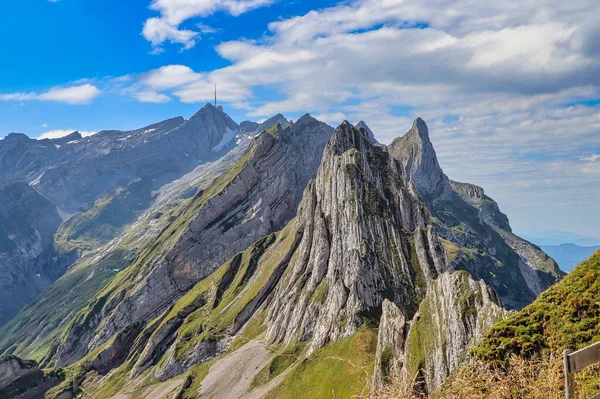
[510, 90]
[68, 40]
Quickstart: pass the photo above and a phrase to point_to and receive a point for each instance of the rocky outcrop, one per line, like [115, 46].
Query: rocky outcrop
[23, 379]
[366, 237]
[538, 269]
[12, 368]
[248, 127]
[391, 339]
[363, 125]
[256, 197]
[476, 234]
[454, 315]
[419, 162]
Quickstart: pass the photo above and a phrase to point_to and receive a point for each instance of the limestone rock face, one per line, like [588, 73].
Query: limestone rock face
[23, 379]
[258, 196]
[28, 264]
[391, 339]
[366, 237]
[363, 125]
[455, 314]
[12, 368]
[476, 234]
[419, 162]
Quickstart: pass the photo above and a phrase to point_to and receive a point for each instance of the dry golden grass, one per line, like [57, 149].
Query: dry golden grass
[521, 378]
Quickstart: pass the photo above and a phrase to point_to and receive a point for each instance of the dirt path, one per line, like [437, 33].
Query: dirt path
[231, 377]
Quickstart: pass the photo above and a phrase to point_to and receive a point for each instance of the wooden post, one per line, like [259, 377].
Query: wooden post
[569, 381]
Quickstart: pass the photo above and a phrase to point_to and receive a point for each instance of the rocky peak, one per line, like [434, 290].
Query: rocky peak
[365, 237]
[256, 197]
[65, 139]
[16, 137]
[363, 125]
[419, 161]
[248, 127]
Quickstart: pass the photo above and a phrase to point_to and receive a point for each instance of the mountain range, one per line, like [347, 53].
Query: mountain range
[205, 258]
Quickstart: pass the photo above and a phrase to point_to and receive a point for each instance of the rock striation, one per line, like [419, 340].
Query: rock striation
[454, 315]
[366, 237]
[256, 197]
[476, 234]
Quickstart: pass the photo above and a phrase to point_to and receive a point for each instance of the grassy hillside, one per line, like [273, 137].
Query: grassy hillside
[521, 356]
[565, 316]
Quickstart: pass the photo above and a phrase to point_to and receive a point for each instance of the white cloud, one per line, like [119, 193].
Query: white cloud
[157, 31]
[493, 81]
[81, 94]
[206, 29]
[170, 76]
[591, 158]
[173, 13]
[152, 97]
[56, 134]
[44, 125]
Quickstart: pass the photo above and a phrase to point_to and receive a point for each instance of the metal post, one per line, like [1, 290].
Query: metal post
[569, 381]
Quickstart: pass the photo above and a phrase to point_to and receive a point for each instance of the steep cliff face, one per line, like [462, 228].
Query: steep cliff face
[366, 237]
[361, 252]
[257, 196]
[307, 243]
[419, 162]
[28, 264]
[475, 233]
[23, 379]
[454, 315]
[34, 332]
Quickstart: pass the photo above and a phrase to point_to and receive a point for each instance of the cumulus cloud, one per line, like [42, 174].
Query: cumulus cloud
[80, 94]
[503, 86]
[56, 134]
[151, 97]
[166, 27]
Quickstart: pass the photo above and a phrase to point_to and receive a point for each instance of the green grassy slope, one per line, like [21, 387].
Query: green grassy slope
[565, 316]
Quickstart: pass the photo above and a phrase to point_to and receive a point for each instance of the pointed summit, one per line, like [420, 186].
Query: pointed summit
[358, 226]
[363, 125]
[419, 160]
[420, 128]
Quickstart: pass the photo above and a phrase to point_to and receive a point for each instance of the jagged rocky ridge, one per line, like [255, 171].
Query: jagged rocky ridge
[33, 333]
[476, 234]
[97, 185]
[364, 248]
[362, 243]
[257, 196]
[366, 237]
[73, 171]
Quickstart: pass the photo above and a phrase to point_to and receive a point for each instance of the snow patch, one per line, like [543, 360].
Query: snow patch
[36, 181]
[57, 146]
[148, 131]
[227, 137]
[73, 142]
